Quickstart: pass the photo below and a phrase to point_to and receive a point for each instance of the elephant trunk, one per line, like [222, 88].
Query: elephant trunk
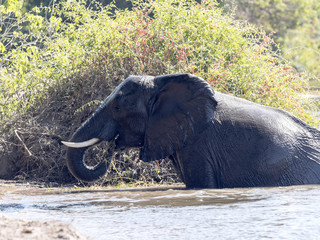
[93, 131]
[79, 169]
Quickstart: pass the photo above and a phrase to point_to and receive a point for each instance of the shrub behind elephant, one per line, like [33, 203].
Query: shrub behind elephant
[214, 140]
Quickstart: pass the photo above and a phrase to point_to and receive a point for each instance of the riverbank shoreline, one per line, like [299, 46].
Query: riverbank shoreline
[17, 229]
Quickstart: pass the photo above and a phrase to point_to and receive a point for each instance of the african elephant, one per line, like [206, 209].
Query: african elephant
[214, 140]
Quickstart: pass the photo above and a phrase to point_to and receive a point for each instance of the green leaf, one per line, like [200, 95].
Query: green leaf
[2, 47]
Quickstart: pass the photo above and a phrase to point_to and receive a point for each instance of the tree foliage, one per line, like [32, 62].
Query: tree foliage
[45, 46]
[294, 24]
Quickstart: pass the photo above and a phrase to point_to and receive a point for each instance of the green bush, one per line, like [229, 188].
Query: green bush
[156, 37]
[295, 24]
[58, 61]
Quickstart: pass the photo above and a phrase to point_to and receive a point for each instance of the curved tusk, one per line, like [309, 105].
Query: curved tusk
[81, 144]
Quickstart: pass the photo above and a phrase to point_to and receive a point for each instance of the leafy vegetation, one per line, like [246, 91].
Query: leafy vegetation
[155, 38]
[57, 62]
[294, 24]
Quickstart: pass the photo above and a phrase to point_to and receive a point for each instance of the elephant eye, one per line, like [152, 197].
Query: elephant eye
[117, 108]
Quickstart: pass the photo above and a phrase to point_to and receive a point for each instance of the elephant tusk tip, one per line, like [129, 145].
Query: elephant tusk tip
[66, 143]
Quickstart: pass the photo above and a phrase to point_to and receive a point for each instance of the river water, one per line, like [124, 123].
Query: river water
[173, 213]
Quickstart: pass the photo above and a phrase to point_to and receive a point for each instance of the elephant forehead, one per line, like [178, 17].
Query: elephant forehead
[141, 80]
[134, 83]
[148, 81]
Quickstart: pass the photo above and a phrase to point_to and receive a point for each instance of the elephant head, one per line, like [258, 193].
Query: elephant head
[160, 115]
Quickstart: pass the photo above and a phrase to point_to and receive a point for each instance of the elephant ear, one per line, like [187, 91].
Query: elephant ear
[179, 110]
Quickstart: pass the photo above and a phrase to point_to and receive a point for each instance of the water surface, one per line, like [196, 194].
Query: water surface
[173, 213]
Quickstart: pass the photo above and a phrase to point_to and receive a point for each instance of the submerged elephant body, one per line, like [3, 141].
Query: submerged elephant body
[249, 145]
[214, 140]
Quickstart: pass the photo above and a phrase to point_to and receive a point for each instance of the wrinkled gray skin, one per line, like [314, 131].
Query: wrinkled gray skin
[214, 140]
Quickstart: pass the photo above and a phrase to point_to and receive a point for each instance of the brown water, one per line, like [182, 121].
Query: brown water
[164, 213]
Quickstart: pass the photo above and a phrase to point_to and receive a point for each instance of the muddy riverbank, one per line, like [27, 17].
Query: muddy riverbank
[17, 228]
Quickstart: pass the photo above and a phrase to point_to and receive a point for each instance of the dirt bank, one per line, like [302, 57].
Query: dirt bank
[16, 229]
